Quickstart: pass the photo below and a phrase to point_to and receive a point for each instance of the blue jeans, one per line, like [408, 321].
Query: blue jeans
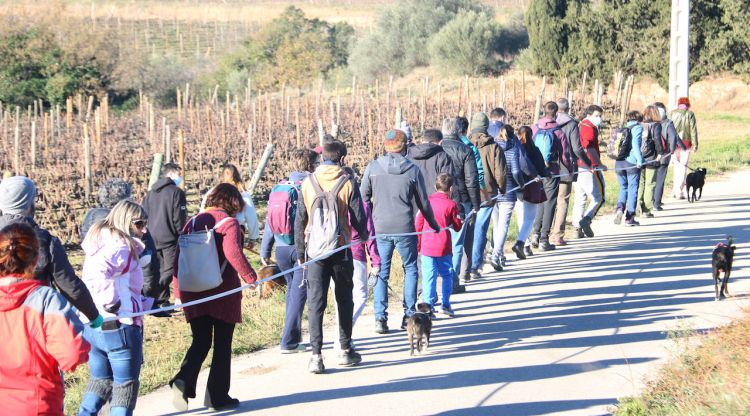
[457, 240]
[115, 363]
[296, 297]
[481, 226]
[500, 224]
[628, 180]
[407, 249]
[431, 268]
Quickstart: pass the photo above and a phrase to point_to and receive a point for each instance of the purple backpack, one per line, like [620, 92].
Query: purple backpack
[282, 208]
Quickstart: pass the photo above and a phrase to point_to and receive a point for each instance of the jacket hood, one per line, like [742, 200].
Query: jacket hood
[424, 151]
[91, 246]
[161, 184]
[563, 118]
[508, 144]
[480, 139]
[14, 291]
[546, 123]
[7, 219]
[395, 163]
[325, 173]
[298, 176]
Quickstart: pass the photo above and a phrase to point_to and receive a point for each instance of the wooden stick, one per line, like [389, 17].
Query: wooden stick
[87, 185]
[267, 153]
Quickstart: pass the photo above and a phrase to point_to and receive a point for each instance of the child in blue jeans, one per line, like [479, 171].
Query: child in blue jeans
[435, 248]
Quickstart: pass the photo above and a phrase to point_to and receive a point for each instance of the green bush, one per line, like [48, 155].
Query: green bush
[399, 42]
[468, 44]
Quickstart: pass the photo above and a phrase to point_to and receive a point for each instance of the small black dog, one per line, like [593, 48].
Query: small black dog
[721, 261]
[695, 180]
[418, 327]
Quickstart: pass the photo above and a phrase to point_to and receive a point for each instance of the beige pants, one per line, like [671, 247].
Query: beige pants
[561, 212]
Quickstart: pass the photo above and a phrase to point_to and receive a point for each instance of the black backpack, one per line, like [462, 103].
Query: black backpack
[620, 143]
[648, 147]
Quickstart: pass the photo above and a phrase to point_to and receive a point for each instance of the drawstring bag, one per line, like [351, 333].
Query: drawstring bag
[198, 266]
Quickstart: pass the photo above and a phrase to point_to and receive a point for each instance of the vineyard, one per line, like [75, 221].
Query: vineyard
[69, 150]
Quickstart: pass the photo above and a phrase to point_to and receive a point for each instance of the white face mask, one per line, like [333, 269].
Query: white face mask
[596, 121]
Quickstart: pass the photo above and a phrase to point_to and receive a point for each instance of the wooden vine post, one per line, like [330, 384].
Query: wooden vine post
[87, 184]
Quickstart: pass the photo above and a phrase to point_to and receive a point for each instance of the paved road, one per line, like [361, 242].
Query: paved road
[562, 333]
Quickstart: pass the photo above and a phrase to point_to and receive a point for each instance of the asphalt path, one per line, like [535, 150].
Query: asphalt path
[565, 332]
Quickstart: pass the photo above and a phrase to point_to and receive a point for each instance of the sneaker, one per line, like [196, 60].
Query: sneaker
[659, 208]
[349, 358]
[618, 216]
[558, 241]
[496, 265]
[458, 289]
[316, 364]
[381, 327]
[546, 246]
[299, 348]
[535, 241]
[466, 278]
[404, 321]
[179, 401]
[503, 260]
[527, 251]
[647, 214]
[518, 249]
[579, 234]
[475, 274]
[226, 404]
[448, 311]
[162, 314]
[586, 227]
[631, 222]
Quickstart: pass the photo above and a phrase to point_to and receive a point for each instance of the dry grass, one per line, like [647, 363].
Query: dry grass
[712, 379]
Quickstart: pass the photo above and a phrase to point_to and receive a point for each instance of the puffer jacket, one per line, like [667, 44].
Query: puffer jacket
[113, 275]
[493, 160]
[511, 149]
[431, 160]
[465, 172]
[41, 335]
[53, 266]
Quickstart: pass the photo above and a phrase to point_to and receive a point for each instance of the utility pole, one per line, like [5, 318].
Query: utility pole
[679, 52]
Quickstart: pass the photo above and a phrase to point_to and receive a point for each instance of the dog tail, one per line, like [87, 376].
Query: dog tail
[729, 241]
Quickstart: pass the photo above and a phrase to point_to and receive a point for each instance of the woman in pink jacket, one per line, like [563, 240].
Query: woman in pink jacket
[113, 276]
[41, 334]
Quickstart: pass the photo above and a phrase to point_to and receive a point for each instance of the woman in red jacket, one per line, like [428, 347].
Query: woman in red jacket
[214, 319]
[41, 334]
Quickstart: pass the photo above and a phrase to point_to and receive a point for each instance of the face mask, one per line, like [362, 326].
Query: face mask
[178, 180]
[596, 121]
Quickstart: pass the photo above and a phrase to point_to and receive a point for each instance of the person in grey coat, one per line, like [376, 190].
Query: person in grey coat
[393, 186]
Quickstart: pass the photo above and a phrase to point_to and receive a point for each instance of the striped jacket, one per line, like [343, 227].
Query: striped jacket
[41, 335]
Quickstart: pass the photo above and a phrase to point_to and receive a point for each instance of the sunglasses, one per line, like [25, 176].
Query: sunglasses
[140, 223]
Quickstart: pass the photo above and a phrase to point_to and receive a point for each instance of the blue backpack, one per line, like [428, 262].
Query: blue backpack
[282, 209]
[544, 140]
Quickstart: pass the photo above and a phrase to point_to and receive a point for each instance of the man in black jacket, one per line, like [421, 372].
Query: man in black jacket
[167, 212]
[466, 195]
[431, 159]
[17, 195]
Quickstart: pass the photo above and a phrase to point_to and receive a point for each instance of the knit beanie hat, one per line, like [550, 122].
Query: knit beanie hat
[479, 121]
[684, 101]
[407, 130]
[395, 141]
[17, 195]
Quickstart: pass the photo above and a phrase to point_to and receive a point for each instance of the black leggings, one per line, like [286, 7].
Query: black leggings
[205, 328]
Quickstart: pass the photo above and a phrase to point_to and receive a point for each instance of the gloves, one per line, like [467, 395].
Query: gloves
[97, 322]
[372, 278]
[114, 308]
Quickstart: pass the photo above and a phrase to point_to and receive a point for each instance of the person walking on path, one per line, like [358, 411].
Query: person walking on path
[282, 216]
[53, 268]
[435, 248]
[41, 333]
[167, 209]
[465, 193]
[248, 218]
[430, 158]
[493, 161]
[111, 192]
[652, 149]
[503, 209]
[572, 151]
[673, 142]
[629, 172]
[548, 138]
[590, 183]
[212, 323]
[533, 168]
[312, 224]
[393, 186]
[112, 274]
[687, 130]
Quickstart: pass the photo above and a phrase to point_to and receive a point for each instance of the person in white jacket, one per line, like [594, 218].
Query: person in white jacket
[248, 217]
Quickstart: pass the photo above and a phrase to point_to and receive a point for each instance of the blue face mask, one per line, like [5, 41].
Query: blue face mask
[178, 180]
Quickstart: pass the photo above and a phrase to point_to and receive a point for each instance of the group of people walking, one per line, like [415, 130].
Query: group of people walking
[433, 202]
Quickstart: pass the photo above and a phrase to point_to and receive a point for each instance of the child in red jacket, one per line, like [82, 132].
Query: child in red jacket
[435, 248]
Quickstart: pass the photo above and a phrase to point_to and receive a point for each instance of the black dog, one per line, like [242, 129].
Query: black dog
[721, 261]
[695, 179]
[419, 327]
